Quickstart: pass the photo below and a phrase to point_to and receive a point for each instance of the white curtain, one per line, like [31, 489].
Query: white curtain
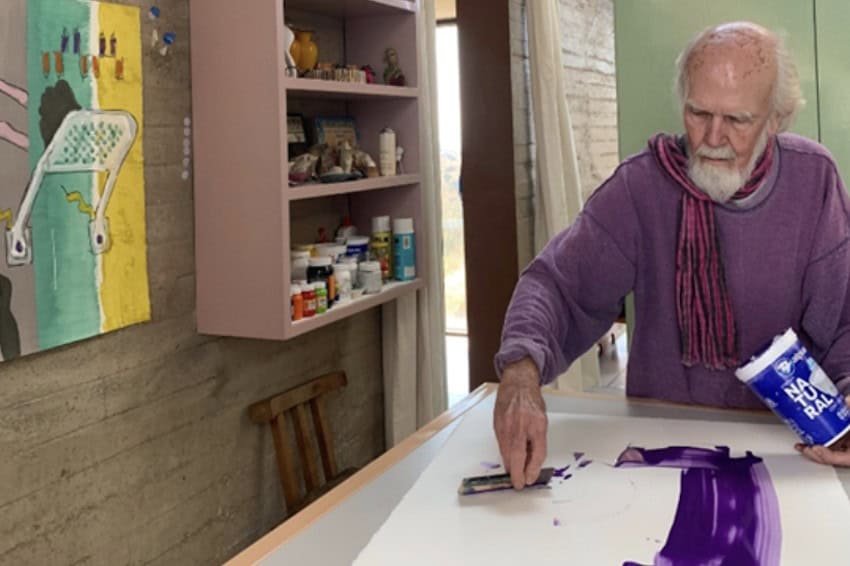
[557, 192]
[413, 326]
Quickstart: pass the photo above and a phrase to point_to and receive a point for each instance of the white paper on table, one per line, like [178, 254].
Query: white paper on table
[601, 515]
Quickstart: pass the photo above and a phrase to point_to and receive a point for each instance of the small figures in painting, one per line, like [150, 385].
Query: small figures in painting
[392, 72]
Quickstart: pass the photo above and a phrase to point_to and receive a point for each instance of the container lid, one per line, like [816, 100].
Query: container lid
[403, 226]
[358, 241]
[300, 283]
[322, 261]
[343, 274]
[319, 285]
[370, 266]
[380, 224]
[302, 261]
[308, 287]
[344, 267]
[294, 290]
[759, 362]
[299, 254]
[349, 260]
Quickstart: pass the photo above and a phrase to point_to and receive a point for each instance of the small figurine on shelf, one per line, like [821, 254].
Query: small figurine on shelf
[370, 74]
[399, 156]
[392, 72]
[364, 162]
[303, 168]
[346, 156]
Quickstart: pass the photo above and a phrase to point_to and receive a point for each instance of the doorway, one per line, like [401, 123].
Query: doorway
[454, 261]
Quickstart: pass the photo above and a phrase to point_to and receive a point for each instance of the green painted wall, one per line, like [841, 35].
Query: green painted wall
[832, 18]
[649, 34]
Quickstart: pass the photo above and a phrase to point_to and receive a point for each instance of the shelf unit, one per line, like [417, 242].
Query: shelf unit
[247, 217]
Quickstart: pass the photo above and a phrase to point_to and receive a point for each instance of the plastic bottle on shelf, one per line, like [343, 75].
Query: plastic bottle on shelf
[296, 302]
[321, 297]
[308, 294]
[346, 230]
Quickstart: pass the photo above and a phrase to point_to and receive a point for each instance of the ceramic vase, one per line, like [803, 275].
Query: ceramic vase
[304, 50]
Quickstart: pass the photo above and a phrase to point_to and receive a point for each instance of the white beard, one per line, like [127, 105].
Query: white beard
[719, 182]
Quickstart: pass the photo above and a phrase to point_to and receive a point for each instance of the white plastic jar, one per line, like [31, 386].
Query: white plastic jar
[370, 276]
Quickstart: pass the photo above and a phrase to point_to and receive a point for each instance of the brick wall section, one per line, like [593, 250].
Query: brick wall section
[134, 447]
[587, 28]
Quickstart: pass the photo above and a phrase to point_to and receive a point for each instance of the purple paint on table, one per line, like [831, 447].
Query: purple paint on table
[728, 512]
[578, 455]
[568, 476]
[585, 463]
[490, 465]
[556, 522]
[559, 472]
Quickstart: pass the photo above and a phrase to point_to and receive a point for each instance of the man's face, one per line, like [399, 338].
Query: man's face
[728, 116]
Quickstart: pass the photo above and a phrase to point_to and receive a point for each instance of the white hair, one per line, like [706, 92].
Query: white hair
[786, 98]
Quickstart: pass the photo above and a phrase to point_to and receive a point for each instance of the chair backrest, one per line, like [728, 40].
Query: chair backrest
[295, 401]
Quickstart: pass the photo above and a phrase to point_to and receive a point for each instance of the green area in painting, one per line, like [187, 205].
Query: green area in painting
[67, 307]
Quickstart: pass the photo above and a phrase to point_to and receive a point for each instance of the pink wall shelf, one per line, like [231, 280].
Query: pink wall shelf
[390, 292]
[324, 190]
[354, 8]
[246, 214]
[316, 88]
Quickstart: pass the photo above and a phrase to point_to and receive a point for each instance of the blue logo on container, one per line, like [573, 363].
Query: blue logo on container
[784, 367]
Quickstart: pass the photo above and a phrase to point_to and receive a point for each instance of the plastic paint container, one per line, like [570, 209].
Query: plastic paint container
[789, 381]
[370, 276]
[357, 246]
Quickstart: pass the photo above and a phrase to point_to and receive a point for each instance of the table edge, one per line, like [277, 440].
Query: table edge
[268, 543]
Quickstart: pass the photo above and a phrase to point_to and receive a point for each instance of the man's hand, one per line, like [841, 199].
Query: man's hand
[520, 422]
[836, 455]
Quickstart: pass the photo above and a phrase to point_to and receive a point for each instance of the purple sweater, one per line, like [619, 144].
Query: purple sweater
[787, 260]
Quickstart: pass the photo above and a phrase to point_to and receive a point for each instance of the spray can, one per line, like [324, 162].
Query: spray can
[380, 246]
[404, 249]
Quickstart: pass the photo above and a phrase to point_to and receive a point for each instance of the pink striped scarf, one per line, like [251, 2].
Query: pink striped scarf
[706, 320]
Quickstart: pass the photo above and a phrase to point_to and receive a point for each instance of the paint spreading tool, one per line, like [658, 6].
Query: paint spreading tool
[497, 482]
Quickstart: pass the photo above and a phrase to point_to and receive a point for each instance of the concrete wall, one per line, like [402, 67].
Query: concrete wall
[134, 447]
[587, 28]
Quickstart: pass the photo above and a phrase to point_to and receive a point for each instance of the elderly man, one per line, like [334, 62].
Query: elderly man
[727, 235]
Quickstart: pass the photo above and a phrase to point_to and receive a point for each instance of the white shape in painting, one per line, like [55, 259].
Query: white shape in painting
[87, 140]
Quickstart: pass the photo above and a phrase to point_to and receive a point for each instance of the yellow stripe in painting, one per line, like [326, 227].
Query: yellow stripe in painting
[124, 288]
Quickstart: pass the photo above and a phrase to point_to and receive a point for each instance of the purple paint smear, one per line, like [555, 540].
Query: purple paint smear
[585, 463]
[728, 512]
[490, 465]
[578, 455]
[556, 522]
[559, 472]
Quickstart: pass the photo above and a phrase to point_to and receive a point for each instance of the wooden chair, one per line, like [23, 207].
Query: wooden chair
[295, 401]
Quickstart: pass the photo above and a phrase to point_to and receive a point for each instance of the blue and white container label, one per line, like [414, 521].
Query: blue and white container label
[404, 257]
[793, 385]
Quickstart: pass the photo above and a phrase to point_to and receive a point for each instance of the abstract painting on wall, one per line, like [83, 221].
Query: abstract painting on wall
[73, 260]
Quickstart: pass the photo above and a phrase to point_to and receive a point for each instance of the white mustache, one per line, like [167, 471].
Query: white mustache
[724, 152]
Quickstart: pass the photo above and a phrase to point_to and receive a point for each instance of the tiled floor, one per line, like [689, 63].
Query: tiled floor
[612, 367]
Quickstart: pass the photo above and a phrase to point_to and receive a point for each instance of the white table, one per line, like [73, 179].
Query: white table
[335, 528]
